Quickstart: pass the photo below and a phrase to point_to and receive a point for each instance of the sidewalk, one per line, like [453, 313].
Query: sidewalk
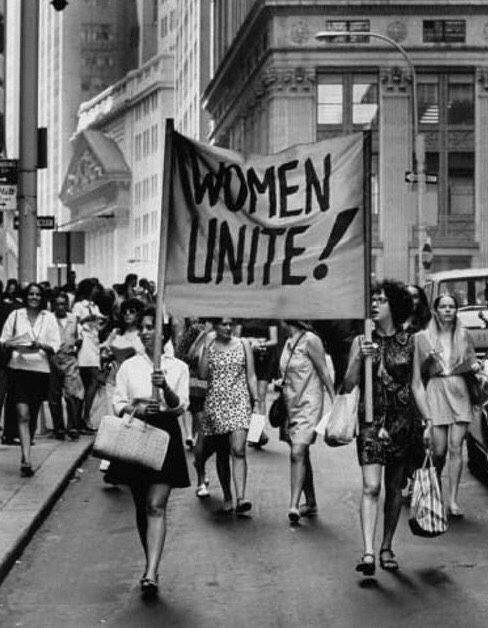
[25, 502]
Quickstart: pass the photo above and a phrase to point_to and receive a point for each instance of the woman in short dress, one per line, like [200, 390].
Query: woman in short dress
[133, 395]
[388, 442]
[227, 365]
[443, 352]
[306, 381]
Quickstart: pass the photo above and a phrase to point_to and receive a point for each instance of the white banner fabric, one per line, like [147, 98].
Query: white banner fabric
[266, 236]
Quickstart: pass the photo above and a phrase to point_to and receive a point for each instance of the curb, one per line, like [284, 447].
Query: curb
[25, 535]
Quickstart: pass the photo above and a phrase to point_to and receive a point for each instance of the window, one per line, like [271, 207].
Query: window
[145, 224]
[348, 100]
[461, 183]
[364, 100]
[348, 26]
[444, 31]
[460, 100]
[330, 100]
[137, 146]
[145, 252]
[137, 227]
[154, 138]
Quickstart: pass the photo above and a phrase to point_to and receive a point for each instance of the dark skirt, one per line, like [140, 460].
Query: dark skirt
[403, 445]
[30, 387]
[173, 472]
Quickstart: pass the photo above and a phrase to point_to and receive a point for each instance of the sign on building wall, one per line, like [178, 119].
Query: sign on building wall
[274, 236]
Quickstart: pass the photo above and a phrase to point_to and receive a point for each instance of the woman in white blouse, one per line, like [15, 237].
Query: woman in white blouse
[32, 334]
[133, 395]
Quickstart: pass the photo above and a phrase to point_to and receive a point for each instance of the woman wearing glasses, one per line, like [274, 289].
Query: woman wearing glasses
[387, 442]
[32, 334]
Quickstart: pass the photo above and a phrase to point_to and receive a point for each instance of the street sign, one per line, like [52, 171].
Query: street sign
[8, 171]
[43, 222]
[8, 197]
[413, 177]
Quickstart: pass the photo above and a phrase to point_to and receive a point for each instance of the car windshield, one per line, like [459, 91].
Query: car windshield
[468, 291]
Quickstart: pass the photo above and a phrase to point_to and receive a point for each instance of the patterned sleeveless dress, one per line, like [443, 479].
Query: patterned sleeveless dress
[228, 402]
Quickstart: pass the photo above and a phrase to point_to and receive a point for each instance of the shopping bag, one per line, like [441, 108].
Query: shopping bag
[256, 428]
[131, 440]
[326, 408]
[428, 515]
[341, 424]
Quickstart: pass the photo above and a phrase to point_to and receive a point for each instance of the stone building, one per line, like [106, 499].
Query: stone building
[275, 85]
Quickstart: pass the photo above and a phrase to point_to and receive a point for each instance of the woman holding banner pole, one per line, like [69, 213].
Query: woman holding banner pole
[388, 441]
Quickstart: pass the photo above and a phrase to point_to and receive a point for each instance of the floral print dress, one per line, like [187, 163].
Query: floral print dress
[228, 402]
[394, 407]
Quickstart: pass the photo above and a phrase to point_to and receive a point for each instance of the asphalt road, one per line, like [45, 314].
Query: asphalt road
[82, 568]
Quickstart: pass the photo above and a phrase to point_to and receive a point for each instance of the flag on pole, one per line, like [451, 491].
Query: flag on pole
[267, 236]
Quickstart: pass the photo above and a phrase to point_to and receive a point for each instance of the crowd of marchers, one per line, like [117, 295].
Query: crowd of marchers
[63, 345]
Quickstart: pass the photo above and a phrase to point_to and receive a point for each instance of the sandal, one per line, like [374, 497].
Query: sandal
[149, 587]
[388, 564]
[366, 567]
[455, 513]
[243, 506]
[26, 471]
[308, 510]
[202, 491]
[294, 516]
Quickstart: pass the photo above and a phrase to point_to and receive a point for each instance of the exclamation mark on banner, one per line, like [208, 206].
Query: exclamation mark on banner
[340, 227]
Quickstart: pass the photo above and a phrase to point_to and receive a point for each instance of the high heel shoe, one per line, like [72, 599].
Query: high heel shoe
[366, 567]
[388, 564]
[149, 587]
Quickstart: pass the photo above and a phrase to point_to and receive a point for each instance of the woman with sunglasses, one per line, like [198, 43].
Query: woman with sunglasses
[386, 443]
[32, 334]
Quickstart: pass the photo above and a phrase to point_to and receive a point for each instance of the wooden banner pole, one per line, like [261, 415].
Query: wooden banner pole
[368, 323]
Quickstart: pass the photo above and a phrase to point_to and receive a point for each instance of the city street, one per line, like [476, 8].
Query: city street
[82, 567]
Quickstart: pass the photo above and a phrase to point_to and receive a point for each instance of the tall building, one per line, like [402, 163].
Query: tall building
[82, 51]
[114, 180]
[166, 26]
[276, 85]
[192, 67]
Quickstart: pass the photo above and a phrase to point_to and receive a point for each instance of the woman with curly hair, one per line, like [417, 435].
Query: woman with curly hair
[385, 443]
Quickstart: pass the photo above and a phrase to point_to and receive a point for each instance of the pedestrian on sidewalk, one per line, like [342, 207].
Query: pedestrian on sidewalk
[89, 320]
[306, 380]
[227, 364]
[10, 428]
[443, 353]
[65, 380]
[33, 335]
[133, 395]
[386, 443]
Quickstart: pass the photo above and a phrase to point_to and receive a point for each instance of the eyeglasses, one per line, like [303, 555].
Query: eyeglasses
[380, 300]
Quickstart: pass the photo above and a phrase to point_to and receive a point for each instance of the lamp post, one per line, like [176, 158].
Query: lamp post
[418, 143]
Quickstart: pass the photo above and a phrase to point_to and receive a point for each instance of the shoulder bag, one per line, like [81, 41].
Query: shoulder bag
[278, 413]
[132, 441]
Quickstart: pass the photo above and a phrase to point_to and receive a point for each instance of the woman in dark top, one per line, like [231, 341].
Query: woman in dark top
[421, 314]
[387, 441]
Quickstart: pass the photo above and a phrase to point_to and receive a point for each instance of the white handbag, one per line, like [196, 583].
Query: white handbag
[341, 425]
[131, 440]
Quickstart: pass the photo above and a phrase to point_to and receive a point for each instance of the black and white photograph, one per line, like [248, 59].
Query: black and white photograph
[243, 313]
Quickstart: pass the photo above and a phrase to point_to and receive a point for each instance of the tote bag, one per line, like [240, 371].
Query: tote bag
[131, 440]
[428, 515]
[340, 427]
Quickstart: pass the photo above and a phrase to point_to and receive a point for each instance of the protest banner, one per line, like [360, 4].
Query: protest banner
[267, 236]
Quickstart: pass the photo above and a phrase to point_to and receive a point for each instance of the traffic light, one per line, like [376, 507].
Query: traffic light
[59, 5]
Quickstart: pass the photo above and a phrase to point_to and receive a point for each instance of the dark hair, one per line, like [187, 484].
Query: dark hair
[421, 315]
[85, 289]
[399, 299]
[167, 327]
[130, 304]
[41, 290]
[441, 296]
[13, 282]
[300, 323]
[60, 294]
[130, 277]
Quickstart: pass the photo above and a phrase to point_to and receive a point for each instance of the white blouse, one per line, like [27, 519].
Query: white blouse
[45, 331]
[133, 381]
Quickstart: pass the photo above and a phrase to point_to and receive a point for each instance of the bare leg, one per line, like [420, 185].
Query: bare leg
[369, 504]
[223, 471]
[157, 499]
[204, 448]
[139, 495]
[187, 421]
[439, 447]
[23, 416]
[457, 434]
[239, 462]
[308, 486]
[394, 478]
[298, 456]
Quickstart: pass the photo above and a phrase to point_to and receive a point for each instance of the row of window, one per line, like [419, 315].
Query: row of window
[144, 222]
[141, 253]
[96, 60]
[167, 24]
[146, 189]
[146, 105]
[349, 101]
[146, 143]
[433, 31]
[352, 99]
[97, 33]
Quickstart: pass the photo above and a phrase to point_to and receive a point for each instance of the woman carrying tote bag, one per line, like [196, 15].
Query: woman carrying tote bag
[151, 489]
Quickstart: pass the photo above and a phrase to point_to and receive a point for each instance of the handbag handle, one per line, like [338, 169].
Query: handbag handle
[291, 354]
